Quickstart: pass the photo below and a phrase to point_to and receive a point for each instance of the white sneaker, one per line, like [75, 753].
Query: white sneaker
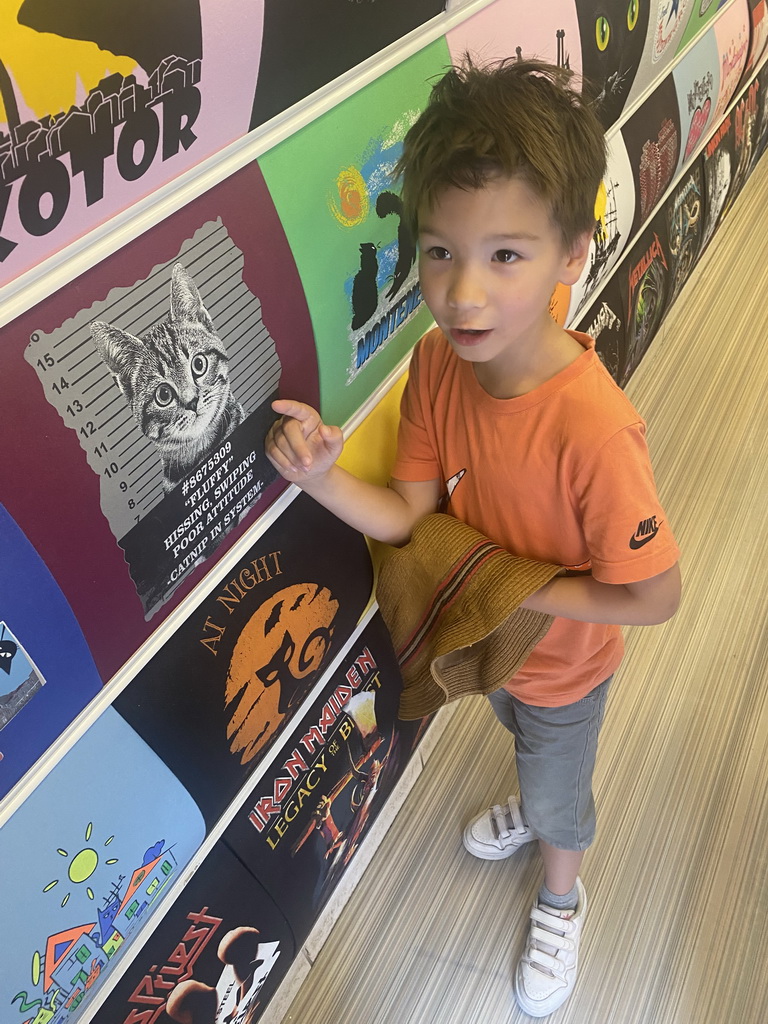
[498, 832]
[546, 973]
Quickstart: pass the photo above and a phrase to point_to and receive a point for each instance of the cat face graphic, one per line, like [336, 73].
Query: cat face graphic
[175, 378]
[612, 41]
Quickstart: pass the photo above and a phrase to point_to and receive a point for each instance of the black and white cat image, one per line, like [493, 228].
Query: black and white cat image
[613, 34]
[176, 380]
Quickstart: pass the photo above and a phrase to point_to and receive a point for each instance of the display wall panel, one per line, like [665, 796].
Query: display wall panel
[112, 830]
[301, 826]
[666, 25]
[219, 954]
[697, 85]
[731, 32]
[47, 674]
[701, 13]
[606, 321]
[227, 684]
[99, 108]
[652, 138]
[308, 45]
[333, 189]
[613, 38]
[615, 213]
[140, 393]
[684, 212]
[503, 29]
[645, 280]
[719, 168]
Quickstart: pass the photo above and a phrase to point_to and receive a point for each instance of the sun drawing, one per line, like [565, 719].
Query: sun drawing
[82, 866]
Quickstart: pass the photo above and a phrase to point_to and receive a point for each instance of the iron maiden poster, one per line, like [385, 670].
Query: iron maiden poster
[139, 397]
[218, 955]
[306, 45]
[84, 862]
[47, 674]
[227, 684]
[332, 186]
[304, 820]
[102, 103]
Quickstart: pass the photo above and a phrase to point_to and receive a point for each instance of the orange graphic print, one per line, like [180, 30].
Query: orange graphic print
[283, 644]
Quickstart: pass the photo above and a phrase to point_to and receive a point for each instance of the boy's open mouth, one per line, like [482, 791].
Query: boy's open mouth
[468, 337]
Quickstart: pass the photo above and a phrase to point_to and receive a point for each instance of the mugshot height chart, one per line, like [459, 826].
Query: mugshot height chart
[155, 464]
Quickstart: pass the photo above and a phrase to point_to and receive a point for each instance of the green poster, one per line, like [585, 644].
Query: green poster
[701, 14]
[331, 184]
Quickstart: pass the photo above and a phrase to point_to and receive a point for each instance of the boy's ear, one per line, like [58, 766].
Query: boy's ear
[576, 258]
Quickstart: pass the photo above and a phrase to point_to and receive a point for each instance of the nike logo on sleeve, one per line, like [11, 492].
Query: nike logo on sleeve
[645, 532]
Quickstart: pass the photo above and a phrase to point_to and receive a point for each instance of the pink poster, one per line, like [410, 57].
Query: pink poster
[508, 29]
[101, 104]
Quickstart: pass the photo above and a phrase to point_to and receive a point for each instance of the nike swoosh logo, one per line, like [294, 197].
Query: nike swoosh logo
[638, 542]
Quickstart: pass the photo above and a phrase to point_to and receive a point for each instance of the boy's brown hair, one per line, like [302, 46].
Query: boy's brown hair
[514, 118]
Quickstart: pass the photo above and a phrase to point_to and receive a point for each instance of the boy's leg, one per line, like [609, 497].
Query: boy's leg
[499, 831]
[555, 750]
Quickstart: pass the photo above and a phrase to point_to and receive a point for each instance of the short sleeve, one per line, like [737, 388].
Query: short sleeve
[626, 529]
[417, 458]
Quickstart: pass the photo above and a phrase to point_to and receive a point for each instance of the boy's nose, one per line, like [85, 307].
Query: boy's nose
[466, 290]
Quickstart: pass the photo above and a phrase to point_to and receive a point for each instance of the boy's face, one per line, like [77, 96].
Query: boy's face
[489, 261]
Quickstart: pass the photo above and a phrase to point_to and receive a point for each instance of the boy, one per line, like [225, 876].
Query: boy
[544, 453]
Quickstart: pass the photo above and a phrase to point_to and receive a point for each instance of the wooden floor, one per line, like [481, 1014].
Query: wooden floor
[677, 930]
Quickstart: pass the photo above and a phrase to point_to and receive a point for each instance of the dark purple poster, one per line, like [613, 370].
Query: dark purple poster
[138, 397]
[229, 681]
[306, 817]
[218, 955]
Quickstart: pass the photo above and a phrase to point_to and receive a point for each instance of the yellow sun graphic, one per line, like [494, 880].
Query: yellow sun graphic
[82, 866]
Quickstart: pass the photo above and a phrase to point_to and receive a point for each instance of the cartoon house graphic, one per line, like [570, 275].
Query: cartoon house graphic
[76, 957]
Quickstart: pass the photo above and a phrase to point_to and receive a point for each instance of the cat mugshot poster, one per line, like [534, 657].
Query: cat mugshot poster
[139, 398]
[103, 103]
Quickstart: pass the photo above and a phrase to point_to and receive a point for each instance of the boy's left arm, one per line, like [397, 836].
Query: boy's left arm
[645, 603]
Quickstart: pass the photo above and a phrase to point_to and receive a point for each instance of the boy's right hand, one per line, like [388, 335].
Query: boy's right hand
[299, 445]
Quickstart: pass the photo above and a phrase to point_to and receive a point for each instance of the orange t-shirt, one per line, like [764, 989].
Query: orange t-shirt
[561, 474]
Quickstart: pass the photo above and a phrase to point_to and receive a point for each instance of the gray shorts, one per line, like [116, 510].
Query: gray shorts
[555, 752]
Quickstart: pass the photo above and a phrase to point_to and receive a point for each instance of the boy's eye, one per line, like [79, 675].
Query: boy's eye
[437, 252]
[505, 256]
